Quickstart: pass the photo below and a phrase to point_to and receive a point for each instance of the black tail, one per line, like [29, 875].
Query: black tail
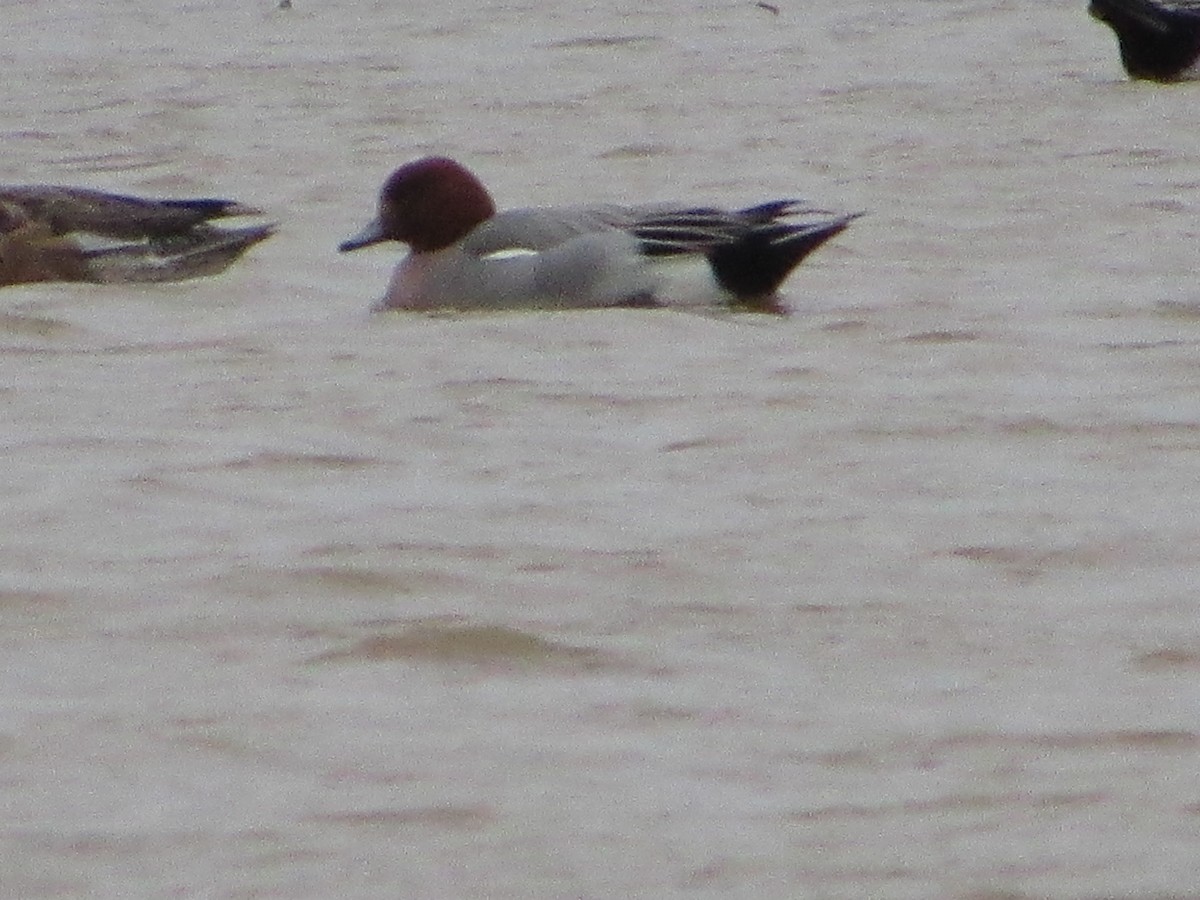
[754, 266]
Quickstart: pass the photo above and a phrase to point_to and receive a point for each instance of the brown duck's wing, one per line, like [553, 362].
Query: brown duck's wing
[67, 209]
[200, 252]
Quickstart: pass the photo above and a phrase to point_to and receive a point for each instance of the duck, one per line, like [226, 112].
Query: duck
[466, 255]
[70, 234]
[1159, 41]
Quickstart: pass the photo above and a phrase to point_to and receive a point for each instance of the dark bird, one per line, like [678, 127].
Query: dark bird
[50, 233]
[1159, 41]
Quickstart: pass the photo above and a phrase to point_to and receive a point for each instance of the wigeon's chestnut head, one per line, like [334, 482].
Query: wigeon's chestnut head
[428, 204]
[465, 255]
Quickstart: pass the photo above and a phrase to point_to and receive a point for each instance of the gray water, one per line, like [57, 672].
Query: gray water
[893, 597]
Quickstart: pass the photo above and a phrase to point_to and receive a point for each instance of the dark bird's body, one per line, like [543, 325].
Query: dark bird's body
[1159, 41]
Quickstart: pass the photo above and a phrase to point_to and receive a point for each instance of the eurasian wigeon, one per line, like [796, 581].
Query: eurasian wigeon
[50, 233]
[466, 255]
[1158, 41]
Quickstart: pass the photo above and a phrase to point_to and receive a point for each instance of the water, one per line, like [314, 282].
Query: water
[893, 597]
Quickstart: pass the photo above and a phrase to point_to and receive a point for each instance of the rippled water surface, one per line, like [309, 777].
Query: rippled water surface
[894, 597]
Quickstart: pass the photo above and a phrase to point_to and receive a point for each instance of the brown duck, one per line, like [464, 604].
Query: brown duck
[50, 233]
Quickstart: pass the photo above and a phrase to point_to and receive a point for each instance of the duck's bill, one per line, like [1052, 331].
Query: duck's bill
[371, 234]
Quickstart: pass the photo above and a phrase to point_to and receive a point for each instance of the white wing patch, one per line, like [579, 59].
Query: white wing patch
[510, 253]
